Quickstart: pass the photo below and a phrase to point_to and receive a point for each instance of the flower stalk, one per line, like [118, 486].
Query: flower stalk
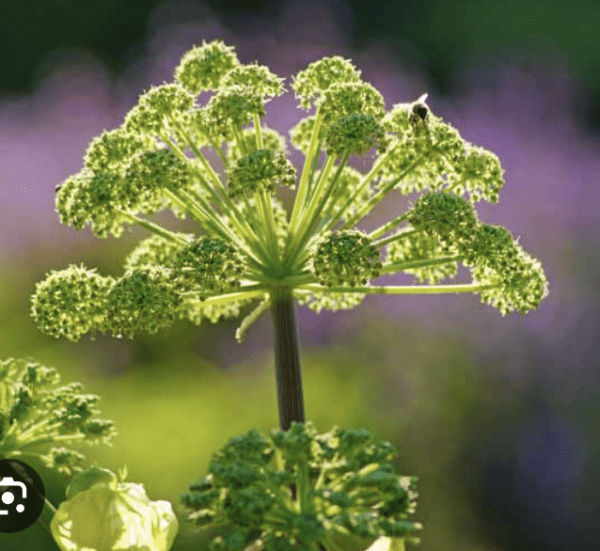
[287, 359]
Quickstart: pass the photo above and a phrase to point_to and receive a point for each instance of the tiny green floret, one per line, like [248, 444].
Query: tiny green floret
[451, 219]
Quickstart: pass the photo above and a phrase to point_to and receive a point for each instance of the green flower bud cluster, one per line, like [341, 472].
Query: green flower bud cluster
[142, 300]
[150, 171]
[233, 107]
[204, 67]
[495, 258]
[71, 302]
[210, 264]
[156, 250]
[157, 107]
[36, 412]
[451, 219]
[256, 77]
[345, 258]
[342, 99]
[441, 156]
[94, 198]
[109, 151]
[345, 485]
[320, 75]
[355, 133]
[261, 169]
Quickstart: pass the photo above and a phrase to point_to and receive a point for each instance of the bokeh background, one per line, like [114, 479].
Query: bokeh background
[499, 417]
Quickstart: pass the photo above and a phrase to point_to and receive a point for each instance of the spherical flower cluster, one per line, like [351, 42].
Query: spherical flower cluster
[426, 149]
[263, 168]
[95, 198]
[345, 485]
[208, 264]
[320, 75]
[143, 299]
[156, 250]
[355, 134]
[345, 258]
[448, 217]
[495, 258]
[35, 411]
[157, 107]
[346, 98]
[204, 67]
[111, 150]
[233, 107]
[256, 77]
[71, 302]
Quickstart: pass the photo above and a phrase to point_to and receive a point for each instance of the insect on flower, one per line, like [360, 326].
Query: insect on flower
[419, 110]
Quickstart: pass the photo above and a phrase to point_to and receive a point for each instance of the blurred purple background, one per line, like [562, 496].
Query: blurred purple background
[520, 107]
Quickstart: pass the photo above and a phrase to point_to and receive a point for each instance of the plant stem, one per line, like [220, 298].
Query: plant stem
[287, 362]
[287, 359]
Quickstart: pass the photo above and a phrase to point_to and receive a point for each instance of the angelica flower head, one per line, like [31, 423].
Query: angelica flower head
[247, 245]
[347, 491]
[35, 413]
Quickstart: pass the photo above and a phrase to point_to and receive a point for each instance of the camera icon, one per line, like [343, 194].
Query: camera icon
[7, 497]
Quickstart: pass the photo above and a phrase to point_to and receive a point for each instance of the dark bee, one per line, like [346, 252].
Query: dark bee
[57, 188]
[419, 110]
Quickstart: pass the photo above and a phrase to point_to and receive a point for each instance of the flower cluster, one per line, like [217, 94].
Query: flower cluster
[345, 258]
[35, 411]
[346, 492]
[250, 245]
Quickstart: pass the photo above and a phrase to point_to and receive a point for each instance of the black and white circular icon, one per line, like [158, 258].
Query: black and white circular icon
[22, 495]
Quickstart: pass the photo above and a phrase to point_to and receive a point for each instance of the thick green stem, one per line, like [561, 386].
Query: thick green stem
[287, 359]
